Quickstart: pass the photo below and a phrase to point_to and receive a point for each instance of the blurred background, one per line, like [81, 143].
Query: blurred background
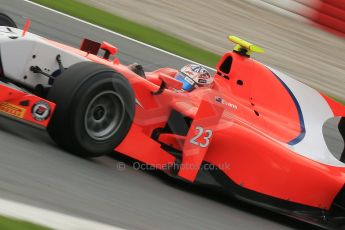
[304, 38]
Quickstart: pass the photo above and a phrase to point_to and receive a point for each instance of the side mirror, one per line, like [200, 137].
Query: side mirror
[168, 81]
[109, 49]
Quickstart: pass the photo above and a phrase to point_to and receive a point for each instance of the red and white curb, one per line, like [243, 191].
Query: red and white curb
[328, 14]
[47, 218]
[290, 8]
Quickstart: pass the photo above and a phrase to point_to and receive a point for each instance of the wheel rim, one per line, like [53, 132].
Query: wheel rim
[104, 115]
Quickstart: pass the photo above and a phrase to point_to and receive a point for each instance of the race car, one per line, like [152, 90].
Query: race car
[257, 134]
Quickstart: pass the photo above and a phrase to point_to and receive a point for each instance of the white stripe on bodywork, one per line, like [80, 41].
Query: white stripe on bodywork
[315, 112]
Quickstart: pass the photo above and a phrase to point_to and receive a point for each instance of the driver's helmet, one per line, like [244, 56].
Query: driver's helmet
[193, 76]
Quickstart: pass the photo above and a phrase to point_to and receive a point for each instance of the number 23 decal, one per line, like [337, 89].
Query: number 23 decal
[206, 139]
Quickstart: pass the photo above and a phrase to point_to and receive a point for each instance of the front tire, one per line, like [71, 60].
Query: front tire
[94, 109]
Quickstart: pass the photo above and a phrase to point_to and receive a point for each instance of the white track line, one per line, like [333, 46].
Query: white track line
[118, 34]
[49, 218]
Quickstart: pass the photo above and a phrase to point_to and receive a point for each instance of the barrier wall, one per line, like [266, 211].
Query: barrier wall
[329, 14]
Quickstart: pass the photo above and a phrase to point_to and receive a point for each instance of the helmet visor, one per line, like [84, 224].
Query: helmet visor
[188, 84]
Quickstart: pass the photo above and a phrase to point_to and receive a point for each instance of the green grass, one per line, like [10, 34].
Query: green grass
[12, 224]
[338, 100]
[132, 29]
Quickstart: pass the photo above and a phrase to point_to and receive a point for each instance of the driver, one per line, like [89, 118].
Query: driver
[194, 76]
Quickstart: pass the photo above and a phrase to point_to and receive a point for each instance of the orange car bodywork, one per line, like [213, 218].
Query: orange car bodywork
[246, 126]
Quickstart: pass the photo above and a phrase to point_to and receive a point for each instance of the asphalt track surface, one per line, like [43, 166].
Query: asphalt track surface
[34, 171]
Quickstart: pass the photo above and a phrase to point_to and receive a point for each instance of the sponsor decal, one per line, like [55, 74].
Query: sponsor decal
[205, 76]
[190, 81]
[41, 110]
[202, 81]
[224, 102]
[12, 109]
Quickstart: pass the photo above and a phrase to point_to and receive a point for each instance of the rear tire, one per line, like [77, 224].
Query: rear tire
[94, 109]
[6, 20]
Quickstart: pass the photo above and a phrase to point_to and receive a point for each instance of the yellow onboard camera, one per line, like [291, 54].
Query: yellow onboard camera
[244, 48]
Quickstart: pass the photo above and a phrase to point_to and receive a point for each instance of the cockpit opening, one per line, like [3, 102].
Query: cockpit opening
[334, 134]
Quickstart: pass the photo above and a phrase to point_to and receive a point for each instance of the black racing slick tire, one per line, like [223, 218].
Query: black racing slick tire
[5, 20]
[95, 108]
